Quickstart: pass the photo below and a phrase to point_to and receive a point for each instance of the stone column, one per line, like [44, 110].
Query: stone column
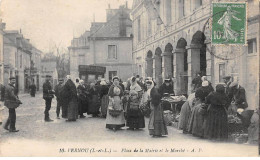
[178, 67]
[210, 64]
[167, 65]
[193, 63]
[149, 67]
[158, 69]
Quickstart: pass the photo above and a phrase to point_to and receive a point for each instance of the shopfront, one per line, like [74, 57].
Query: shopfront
[90, 73]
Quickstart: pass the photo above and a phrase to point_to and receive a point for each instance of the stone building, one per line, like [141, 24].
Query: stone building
[49, 67]
[174, 42]
[21, 60]
[2, 27]
[107, 44]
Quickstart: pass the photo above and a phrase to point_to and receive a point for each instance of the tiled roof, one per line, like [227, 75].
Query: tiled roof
[111, 28]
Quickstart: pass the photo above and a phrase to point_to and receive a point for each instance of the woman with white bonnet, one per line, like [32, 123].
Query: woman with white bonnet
[104, 97]
[115, 93]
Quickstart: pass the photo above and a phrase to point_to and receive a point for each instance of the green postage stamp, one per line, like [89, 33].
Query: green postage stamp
[229, 22]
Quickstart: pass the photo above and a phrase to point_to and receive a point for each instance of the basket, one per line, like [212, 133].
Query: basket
[145, 109]
[114, 112]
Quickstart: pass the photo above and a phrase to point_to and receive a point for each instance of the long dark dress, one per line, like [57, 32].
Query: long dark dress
[157, 125]
[72, 99]
[135, 118]
[32, 90]
[216, 123]
[186, 113]
[94, 103]
[82, 100]
[104, 99]
[197, 120]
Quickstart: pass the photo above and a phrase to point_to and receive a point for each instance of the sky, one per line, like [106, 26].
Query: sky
[50, 23]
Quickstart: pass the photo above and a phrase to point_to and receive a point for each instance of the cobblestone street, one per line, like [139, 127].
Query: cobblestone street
[38, 138]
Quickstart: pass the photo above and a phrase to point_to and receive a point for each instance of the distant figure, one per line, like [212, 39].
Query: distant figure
[47, 96]
[11, 102]
[32, 88]
[57, 90]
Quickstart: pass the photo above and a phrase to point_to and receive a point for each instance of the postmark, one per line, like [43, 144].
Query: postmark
[229, 23]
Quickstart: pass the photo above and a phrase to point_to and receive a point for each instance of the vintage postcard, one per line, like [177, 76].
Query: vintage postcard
[127, 78]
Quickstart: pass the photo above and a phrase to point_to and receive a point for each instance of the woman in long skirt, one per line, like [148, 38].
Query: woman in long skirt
[216, 123]
[104, 97]
[70, 87]
[197, 115]
[95, 103]
[115, 93]
[157, 126]
[135, 118]
[186, 113]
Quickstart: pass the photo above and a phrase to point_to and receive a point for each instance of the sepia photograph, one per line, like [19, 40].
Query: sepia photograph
[129, 78]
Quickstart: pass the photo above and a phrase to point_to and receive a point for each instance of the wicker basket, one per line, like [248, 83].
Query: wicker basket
[114, 112]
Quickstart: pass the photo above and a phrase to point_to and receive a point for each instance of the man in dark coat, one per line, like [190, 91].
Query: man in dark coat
[47, 96]
[11, 97]
[228, 81]
[166, 87]
[57, 90]
[32, 89]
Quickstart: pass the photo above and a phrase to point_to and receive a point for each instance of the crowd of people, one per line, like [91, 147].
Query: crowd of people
[119, 102]
[205, 114]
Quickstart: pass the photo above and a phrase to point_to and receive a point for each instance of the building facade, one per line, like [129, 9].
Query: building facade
[21, 60]
[2, 27]
[107, 44]
[48, 67]
[174, 42]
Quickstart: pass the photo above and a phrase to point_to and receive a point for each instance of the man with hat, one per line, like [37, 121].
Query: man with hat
[57, 90]
[11, 102]
[228, 81]
[166, 87]
[47, 96]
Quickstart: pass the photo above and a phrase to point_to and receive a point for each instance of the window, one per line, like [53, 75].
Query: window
[168, 12]
[221, 72]
[198, 3]
[181, 9]
[112, 74]
[252, 47]
[139, 29]
[112, 54]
